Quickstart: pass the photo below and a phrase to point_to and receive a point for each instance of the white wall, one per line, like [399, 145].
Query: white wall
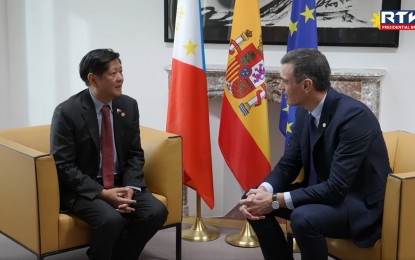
[4, 63]
[42, 42]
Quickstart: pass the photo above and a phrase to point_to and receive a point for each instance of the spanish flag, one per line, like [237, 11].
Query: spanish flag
[244, 132]
[188, 112]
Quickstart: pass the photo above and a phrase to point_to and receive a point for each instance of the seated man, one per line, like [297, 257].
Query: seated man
[95, 141]
[338, 141]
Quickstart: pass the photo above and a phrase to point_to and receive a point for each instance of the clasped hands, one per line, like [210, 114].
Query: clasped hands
[257, 204]
[119, 198]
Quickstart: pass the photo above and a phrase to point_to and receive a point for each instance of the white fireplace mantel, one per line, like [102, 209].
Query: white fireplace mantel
[362, 84]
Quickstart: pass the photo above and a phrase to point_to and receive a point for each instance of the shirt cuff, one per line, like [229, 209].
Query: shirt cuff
[267, 186]
[134, 188]
[288, 200]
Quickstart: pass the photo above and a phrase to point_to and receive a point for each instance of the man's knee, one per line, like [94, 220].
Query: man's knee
[156, 215]
[302, 218]
[161, 213]
[112, 222]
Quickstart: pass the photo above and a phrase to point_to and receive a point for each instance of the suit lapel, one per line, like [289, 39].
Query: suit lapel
[118, 117]
[325, 114]
[322, 125]
[90, 116]
[305, 143]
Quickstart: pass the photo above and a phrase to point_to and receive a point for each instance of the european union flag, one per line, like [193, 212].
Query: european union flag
[302, 34]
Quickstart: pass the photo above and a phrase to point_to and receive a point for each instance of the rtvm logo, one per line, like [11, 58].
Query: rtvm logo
[397, 20]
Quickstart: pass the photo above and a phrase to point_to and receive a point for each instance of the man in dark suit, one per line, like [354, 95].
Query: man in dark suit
[106, 190]
[338, 142]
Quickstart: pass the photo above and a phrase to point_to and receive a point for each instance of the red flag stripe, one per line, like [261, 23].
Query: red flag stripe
[188, 116]
[255, 166]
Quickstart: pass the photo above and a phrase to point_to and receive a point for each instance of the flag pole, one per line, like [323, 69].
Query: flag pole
[199, 232]
[246, 238]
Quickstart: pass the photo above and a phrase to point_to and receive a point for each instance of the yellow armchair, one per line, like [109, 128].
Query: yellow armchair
[398, 225]
[29, 192]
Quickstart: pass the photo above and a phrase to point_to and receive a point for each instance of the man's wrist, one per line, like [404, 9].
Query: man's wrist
[274, 202]
[102, 194]
[281, 201]
[136, 189]
[262, 188]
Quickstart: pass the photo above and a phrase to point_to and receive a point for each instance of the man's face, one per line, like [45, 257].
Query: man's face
[109, 84]
[294, 92]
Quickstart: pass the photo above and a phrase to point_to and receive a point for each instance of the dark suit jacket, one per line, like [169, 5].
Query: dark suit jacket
[75, 146]
[350, 160]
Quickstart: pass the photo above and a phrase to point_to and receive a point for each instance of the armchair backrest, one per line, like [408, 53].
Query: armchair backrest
[35, 137]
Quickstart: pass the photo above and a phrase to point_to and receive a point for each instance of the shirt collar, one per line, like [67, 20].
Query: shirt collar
[98, 104]
[316, 113]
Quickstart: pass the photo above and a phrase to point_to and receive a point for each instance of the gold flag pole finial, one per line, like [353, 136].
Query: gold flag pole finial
[246, 238]
[199, 232]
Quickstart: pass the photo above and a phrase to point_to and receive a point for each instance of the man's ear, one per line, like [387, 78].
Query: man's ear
[91, 79]
[307, 85]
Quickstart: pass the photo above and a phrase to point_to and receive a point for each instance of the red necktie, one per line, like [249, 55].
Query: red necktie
[107, 149]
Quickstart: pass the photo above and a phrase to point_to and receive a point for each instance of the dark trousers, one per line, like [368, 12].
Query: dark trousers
[120, 236]
[310, 225]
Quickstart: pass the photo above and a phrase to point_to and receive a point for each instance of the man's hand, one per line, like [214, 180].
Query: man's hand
[257, 204]
[119, 198]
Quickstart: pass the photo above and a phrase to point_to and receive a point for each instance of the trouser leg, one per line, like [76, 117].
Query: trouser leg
[271, 238]
[149, 216]
[312, 223]
[106, 226]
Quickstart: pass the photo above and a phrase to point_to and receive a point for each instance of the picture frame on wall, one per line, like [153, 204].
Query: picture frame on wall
[339, 22]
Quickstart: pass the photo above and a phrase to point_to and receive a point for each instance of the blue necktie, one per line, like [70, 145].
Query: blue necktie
[312, 178]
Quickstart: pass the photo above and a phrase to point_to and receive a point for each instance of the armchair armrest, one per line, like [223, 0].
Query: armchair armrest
[398, 217]
[28, 177]
[163, 168]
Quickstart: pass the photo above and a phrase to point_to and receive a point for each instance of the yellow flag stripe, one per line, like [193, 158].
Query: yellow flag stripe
[256, 122]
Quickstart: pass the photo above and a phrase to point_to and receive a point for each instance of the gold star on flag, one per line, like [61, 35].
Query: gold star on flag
[179, 12]
[179, 16]
[190, 48]
[288, 130]
[308, 14]
[286, 108]
[292, 27]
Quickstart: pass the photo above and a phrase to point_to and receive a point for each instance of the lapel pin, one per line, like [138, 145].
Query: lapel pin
[119, 111]
[324, 125]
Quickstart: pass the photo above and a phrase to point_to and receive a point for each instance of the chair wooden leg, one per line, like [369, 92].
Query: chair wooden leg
[290, 239]
[179, 241]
